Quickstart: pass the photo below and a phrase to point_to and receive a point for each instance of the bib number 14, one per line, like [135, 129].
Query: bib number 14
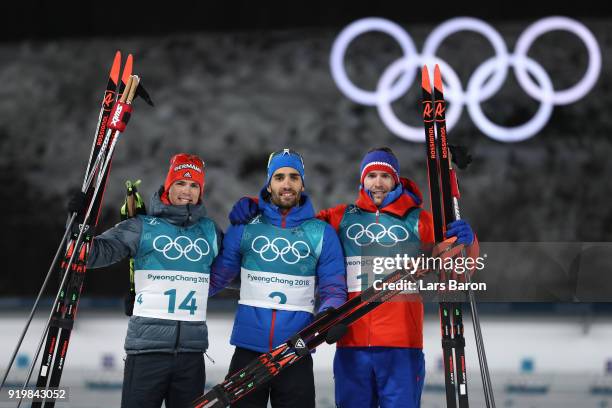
[188, 303]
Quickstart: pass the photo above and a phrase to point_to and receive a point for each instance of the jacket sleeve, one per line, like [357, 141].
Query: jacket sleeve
[227, 264]
[333, 215]
[426, 228]
[331, 272]
[116, 244]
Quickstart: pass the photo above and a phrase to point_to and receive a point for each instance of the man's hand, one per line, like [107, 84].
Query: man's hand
[462, 230]
[243, 211]
[76, 202]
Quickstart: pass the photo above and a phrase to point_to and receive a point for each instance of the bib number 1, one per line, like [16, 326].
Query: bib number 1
[188, 303]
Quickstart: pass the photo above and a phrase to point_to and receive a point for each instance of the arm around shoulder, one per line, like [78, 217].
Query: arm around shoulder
[331, 271]
[227, 264]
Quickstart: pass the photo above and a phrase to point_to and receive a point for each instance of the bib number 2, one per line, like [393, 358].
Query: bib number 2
[188, 303]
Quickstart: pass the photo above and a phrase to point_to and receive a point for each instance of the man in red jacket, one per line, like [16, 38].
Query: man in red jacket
[379, 361]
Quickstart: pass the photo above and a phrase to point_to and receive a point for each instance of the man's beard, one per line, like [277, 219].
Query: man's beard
[382, 194]
[285, 203]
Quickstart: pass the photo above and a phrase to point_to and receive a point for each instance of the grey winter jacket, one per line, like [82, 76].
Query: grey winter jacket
[145, 334]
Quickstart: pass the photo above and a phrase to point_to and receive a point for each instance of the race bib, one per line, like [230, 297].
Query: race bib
[277, 291]
[173, 295]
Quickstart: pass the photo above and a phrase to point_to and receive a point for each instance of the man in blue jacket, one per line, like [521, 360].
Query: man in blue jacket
[284, 256]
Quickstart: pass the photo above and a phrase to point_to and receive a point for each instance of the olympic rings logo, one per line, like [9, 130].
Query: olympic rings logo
[395, 234]
[486, 80]
[270, 251]
[173, 249]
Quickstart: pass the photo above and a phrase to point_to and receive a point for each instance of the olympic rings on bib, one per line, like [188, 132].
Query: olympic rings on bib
[484, 83]
[270, 251]
[174, 249]
[376, 233]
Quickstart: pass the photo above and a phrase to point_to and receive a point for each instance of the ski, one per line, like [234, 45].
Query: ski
[447, 176]
[111, 123]
[444, 197]
[94, 159]
[64, 312]
[430, 116]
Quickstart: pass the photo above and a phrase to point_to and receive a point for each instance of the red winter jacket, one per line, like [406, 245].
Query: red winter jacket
[399, 322]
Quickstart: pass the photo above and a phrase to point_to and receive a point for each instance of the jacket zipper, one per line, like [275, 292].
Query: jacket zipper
[370, 315]
[272, 329]
[283, 225]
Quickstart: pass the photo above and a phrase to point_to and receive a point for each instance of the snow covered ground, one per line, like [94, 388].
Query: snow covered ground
[568, 358]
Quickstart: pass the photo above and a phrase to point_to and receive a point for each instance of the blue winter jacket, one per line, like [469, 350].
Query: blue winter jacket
[261, 329]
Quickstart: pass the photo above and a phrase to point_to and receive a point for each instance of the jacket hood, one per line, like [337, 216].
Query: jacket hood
[181, 215]
[294, 217]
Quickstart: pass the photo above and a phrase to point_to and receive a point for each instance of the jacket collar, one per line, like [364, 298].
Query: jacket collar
[180, 215]
[292, 218]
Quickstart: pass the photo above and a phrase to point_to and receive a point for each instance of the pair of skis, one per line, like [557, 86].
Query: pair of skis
[444, 195]
[115, 112]
[329, 327]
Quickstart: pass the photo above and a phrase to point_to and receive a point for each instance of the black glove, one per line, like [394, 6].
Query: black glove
[76, 202]
[334, 334]
[337, 331]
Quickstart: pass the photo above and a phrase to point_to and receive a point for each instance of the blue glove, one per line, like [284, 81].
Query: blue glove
[462, 230]
[243, 211]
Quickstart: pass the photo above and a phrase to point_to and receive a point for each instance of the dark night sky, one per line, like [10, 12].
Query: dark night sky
[44, 20]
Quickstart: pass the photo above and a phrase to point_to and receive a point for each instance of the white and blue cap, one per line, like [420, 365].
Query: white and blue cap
[285, 158]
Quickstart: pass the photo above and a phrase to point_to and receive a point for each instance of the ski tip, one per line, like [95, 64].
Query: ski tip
[438, 78]
[114, 73]
[425, 82]
[127, 69]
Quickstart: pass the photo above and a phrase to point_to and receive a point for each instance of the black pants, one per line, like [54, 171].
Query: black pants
[292, 388]
[149, 379]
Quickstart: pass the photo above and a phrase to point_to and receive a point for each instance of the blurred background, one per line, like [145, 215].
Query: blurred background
[235, 81]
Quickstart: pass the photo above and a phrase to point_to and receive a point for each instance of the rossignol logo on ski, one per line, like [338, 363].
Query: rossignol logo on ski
[102, 131]
[431, 143]
[109, 98]
[427, 111]
[439, 110]
[188, 166]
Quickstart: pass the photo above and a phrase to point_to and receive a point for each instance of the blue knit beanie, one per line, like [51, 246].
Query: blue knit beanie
[285, 158]
[381, 161]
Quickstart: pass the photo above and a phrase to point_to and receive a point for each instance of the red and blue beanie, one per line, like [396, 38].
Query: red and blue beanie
[184, 166]
[379, 160]
[285, 158]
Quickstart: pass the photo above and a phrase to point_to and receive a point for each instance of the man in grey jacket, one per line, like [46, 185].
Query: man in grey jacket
[173, 248]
